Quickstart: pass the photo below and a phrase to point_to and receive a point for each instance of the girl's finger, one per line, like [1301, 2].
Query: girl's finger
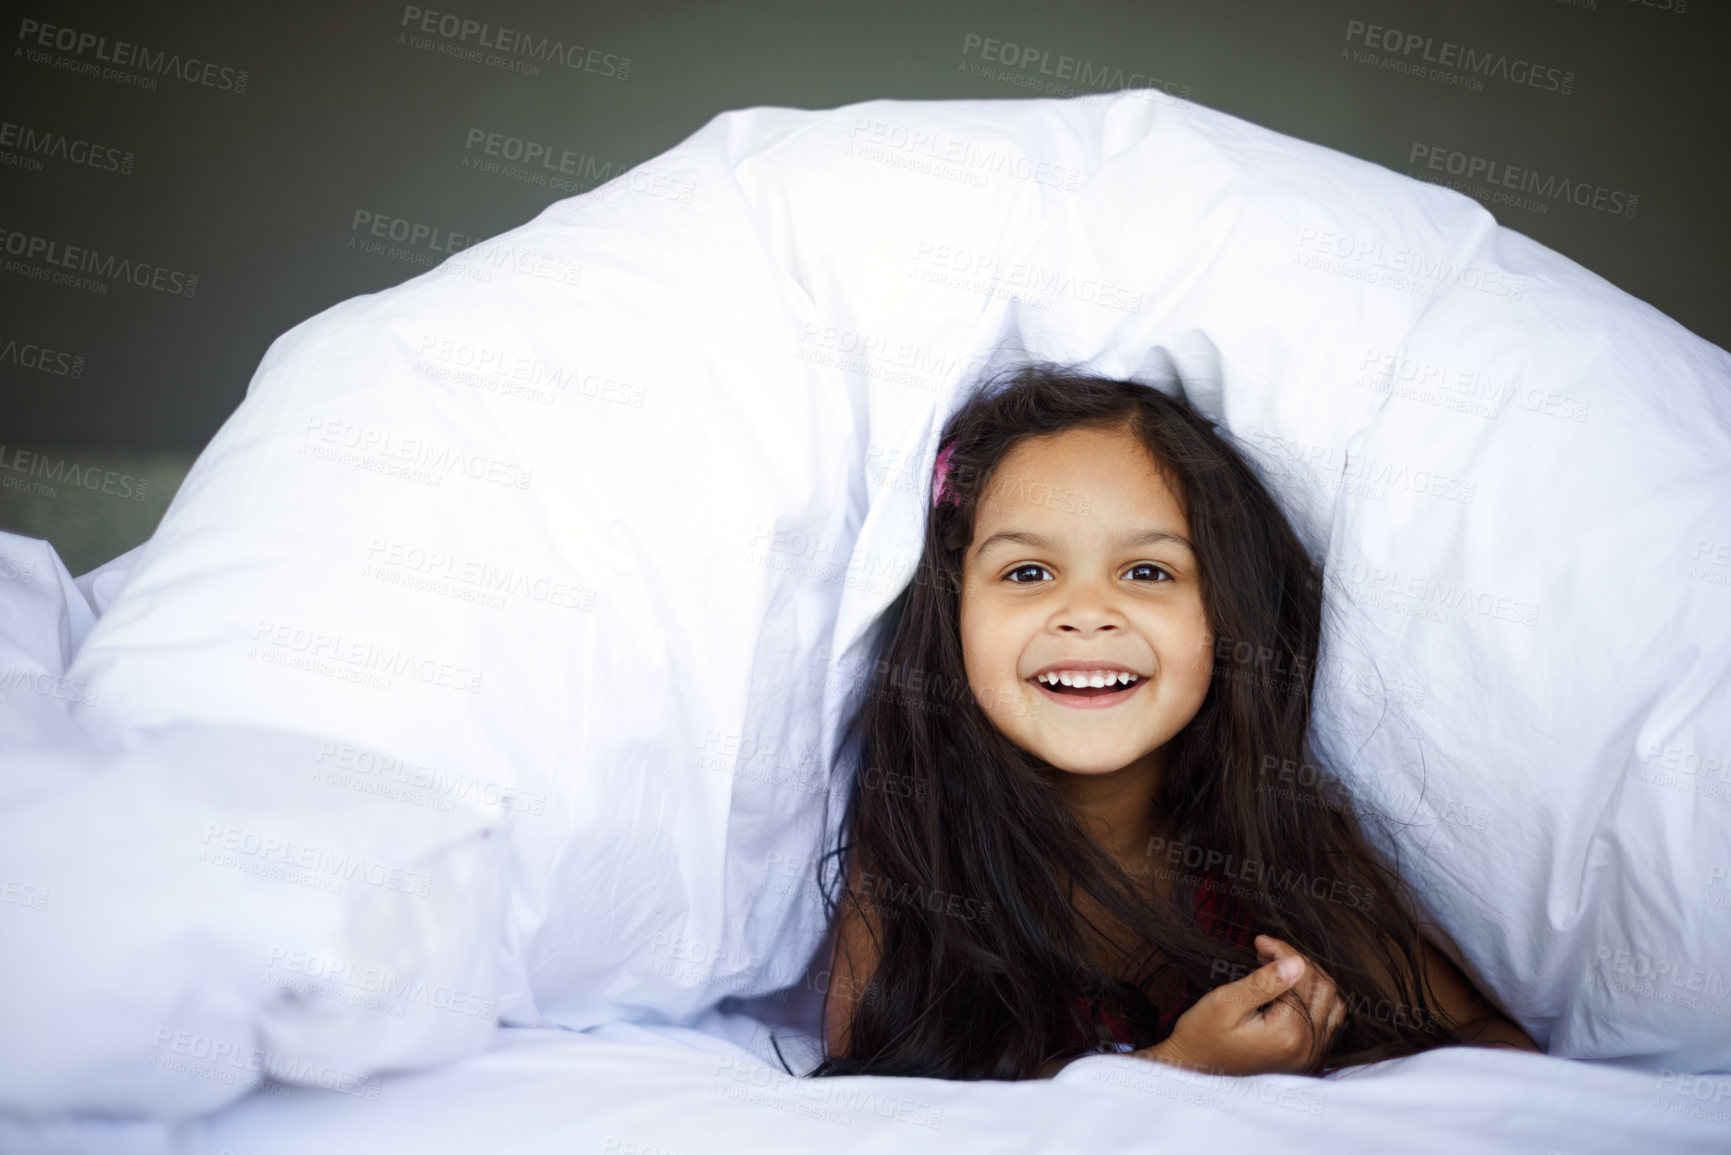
[1269, 948]
[1319, 994]
[1314, 990]
[1265, 984]
[1284, 1030]
[1336, 1016]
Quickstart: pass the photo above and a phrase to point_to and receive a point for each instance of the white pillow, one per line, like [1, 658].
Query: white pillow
[209, 908]
[44, 619]
[101, 585]
[212, 905]
[596, 515]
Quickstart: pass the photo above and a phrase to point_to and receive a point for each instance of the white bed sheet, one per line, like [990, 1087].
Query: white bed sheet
[637, 1089]
[674, 1091]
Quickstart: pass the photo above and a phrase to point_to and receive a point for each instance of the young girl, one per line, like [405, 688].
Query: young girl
[1070, 829]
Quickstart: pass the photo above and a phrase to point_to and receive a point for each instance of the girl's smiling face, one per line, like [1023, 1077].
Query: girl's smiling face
[1081, 557]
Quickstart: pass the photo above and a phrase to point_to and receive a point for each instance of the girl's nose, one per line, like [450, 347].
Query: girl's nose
[1087, 610]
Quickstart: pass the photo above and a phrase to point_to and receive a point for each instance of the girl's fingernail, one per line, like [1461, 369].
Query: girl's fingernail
[1289, 967]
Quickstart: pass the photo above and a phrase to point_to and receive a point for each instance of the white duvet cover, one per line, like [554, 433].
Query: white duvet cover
[588, 526]
[487, 662]
[634, 1089]
[552, 1092]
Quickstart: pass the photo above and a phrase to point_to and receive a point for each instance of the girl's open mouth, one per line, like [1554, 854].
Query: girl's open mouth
[1088, 697]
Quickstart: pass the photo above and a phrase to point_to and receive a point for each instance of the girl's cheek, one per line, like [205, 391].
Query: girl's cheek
[1205, 655]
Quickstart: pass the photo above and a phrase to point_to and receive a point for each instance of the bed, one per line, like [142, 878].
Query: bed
[646, 1090]
[558, 1091]
[408, 790]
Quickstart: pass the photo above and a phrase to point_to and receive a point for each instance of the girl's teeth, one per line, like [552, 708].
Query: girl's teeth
[1096, 679]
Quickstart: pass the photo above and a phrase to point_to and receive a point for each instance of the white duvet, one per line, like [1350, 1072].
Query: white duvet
[487, 663]
[675, 1091]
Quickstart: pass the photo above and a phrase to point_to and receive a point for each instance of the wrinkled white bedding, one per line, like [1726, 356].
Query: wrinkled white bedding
[559, 1093]
[589, 523]
[637, 1089]
[209, 875]
[206, 889]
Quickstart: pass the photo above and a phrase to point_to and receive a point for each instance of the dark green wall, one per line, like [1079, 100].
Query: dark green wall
[255, 192]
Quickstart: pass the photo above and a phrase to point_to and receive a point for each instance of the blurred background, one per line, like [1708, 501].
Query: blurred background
[181, 183]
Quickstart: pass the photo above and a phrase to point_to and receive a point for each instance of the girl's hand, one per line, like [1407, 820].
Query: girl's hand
[1254, 1026]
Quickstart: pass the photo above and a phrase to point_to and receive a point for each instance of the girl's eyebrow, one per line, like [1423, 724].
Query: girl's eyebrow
[1026, 537]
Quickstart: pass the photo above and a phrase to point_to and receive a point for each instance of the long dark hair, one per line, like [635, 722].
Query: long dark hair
[971, 858]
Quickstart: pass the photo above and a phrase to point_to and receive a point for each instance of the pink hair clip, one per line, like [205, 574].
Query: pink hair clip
[940, 474]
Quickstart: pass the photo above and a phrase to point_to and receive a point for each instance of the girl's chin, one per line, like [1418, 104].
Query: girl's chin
[1093, 767]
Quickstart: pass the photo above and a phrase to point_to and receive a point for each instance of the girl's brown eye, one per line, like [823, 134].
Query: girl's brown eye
[1152, 568]
[1011, 576]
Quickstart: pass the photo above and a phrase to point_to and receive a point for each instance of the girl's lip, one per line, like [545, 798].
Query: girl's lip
[1090, 701]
